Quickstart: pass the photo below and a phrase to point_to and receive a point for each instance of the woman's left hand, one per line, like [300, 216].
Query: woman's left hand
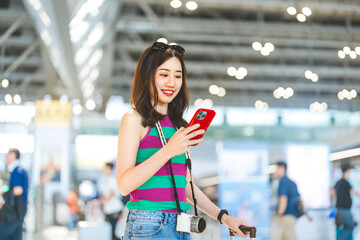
[234, 224]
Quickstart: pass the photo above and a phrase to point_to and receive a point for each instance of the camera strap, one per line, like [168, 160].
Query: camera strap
[188, 164]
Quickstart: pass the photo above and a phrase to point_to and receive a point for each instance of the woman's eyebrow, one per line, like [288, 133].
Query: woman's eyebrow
[168, 70]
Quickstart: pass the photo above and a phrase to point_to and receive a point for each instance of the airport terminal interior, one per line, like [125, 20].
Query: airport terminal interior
[281, 75]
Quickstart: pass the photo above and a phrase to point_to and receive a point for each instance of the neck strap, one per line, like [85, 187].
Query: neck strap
[188, 164]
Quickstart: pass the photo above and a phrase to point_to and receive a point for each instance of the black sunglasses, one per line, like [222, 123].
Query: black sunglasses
[163, 47]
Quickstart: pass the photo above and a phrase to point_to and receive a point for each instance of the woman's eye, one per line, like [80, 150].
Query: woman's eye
[178, 76]
[163, 75]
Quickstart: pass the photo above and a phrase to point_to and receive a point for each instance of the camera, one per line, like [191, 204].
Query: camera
[189, 223]
[201, 115]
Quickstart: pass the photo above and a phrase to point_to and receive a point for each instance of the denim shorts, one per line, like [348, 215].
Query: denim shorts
[146, 225]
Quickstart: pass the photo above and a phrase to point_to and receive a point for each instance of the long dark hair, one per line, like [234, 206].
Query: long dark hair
[144, 81]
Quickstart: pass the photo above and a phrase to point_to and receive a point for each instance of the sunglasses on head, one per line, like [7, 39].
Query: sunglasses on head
[163, 47]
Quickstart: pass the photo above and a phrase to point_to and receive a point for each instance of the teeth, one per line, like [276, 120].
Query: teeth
[167, 91]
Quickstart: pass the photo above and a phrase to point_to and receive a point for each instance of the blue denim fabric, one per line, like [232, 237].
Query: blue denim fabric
[72, 222]
[347, 223]
[147, 225]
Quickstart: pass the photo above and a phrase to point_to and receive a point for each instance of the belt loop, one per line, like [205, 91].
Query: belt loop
[166, 218]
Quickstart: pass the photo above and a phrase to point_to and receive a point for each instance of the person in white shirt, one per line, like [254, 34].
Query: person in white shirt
[110, 197]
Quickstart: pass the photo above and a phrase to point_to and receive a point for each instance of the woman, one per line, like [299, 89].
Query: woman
[159, 94]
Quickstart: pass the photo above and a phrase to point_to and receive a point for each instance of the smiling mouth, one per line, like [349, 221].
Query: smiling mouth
[168, 93]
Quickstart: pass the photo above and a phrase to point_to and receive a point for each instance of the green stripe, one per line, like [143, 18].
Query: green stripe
[156, 206]
[164, 182]
[146, 153]
[168, 132]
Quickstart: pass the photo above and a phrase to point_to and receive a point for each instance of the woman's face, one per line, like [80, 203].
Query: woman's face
[168, 80]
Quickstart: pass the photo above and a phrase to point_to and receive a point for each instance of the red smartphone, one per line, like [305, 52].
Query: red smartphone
[203, 117]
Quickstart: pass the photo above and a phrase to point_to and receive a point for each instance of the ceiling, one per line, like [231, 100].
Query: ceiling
[38, 53]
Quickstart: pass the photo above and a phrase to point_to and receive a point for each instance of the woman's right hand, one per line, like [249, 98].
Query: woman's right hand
[181, 140]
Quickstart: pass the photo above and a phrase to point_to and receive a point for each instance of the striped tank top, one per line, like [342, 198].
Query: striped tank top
[157, 193]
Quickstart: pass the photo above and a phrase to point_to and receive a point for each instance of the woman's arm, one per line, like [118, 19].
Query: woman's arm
[210, 209]
[128, 176]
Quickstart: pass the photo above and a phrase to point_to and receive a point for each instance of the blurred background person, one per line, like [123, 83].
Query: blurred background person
[110, 197]
[72, 201]
[11, 228]
[342, 193]
[284, 224]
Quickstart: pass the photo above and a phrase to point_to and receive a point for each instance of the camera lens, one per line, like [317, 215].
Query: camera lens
[198, 224]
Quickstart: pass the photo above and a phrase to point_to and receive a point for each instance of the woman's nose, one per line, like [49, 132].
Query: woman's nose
[171, 81]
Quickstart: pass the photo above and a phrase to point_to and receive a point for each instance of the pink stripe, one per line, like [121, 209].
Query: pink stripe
[158, 194]
[170, 211]
[146, 135]
[166, 122]
[150, 142]
[178, 169]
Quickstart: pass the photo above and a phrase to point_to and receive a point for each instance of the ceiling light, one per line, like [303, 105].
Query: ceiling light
[239, 76]
[357, 50]
[90, 104]
[64, 99]
[353, 93]
[353, 55]
[340, 96]
[17, 99]
[242, 71]
[5, 83]
[213, 89]
[198, 102]
[284, 93]
[221, 92]
[260, 105]
[191, 5]
[347, 94]
[318, 107]
[175, 4]
[207, 103]
[269, 46]
[285, 96]
[324, 106]
[256, 46]
[231, 71]
[291, 10]
[77, 109]
[264, 52]
[301, 17]
[289, 91]
[276, 93]
[281, 91]
[47, 98]
[347, 50]
[306, 11]
[265, 106]
[8, 99]
[163, 40]
[98, 99]
[341, 54]
[314, 77]
[345, 154]
[308, 74]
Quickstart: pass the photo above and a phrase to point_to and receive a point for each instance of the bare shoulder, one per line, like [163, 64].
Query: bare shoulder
[132, 121]
[132, 117]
